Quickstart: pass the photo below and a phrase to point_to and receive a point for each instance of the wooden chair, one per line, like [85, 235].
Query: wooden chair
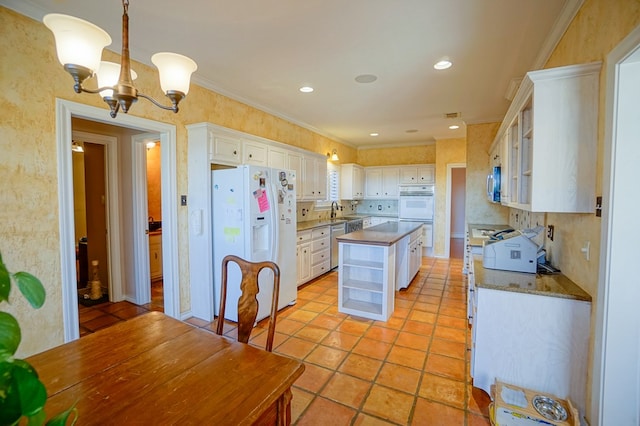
[248, 303]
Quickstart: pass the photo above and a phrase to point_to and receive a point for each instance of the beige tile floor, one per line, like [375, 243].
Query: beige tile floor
[410, 370]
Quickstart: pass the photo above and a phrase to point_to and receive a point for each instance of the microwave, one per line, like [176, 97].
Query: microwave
[493, 185]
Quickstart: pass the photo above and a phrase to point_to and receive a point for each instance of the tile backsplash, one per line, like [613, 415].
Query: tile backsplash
[378, 207]
[521, 219]
[308, 210]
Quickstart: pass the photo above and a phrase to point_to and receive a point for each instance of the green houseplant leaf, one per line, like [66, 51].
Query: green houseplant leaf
[31, 288]
[31, 391]
[5, 282]
[10, 336]
[61, 419]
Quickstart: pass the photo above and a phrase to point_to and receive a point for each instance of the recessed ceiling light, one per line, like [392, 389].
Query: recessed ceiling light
[306, 89]
[374, 134]
[442, 64]
[366, 78]
[454, 127]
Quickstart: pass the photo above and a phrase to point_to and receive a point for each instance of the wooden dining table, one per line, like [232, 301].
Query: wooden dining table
[154, 369]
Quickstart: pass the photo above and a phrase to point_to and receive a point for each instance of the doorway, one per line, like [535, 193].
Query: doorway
[122, 254]
[616, 376]
[154, 213]
[90, 200]
[455, 210]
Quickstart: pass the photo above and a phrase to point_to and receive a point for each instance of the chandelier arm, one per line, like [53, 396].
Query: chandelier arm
[173, 108]
[83, 89]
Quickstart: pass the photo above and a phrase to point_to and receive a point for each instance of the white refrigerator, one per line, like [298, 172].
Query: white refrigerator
[254, 217]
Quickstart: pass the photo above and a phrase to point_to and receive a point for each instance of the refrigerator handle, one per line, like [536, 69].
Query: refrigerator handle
[275, 228]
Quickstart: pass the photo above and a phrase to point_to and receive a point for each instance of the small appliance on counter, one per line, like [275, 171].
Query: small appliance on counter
[516, 406]
[512, 251]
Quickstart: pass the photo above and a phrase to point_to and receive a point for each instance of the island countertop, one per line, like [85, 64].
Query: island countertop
[385, 234]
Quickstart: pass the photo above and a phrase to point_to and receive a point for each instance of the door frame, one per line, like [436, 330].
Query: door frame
[112, 200]
[64, 111]
[140, 217]
[447, 213]
[615, 389]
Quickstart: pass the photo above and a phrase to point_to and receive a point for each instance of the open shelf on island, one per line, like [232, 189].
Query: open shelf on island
[358, 306]
[363, 285]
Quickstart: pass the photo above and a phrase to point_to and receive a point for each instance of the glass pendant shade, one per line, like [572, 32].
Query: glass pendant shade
[108, 75]
[175, 71]
[78, 42]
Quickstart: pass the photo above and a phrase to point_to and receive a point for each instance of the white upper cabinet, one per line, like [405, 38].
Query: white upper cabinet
[351, 182]
[314, 177]
[550, 138]
[390, 181]
[254, 153]
[408, 175]
[382, 182]
[426, 174]
[224, 150]
[423, 174]
[373, 182]
[278, 157]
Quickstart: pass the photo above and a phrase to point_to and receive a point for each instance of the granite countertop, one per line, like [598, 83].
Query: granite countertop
[310, 224]
[385, 234]
[554, 285]
[473, 241]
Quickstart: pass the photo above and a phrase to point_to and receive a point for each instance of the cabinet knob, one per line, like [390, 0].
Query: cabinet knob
[235, 152]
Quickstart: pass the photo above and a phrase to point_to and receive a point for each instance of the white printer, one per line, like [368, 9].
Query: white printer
[514, 251]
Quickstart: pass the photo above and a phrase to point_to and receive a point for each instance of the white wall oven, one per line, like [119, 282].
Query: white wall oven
[416, 202]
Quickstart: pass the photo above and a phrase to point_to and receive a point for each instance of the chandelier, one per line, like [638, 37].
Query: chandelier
[79, 46]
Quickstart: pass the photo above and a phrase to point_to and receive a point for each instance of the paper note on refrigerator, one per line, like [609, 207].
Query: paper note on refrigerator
[231, 233]
[263, 201]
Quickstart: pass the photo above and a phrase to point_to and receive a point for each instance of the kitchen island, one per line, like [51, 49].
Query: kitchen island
[373, 263]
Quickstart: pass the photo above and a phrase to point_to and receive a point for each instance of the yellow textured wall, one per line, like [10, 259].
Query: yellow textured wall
[79, 200]
[154, 186]
[31, 79]
[478, 209]
[420, 154]
[448, 151]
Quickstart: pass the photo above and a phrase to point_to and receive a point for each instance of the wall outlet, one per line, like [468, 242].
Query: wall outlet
[183, 200]
[379, 206]
[550, 230]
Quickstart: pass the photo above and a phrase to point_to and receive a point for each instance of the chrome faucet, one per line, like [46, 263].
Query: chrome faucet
[334, 209]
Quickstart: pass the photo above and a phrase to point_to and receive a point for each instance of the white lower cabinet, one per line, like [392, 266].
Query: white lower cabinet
[533, 341]
[415, 252]
[320, 251]
[303, 256]
[155, 256]
[365, 281]
[313, 251]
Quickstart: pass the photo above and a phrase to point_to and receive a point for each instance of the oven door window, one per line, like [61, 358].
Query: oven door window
[416, 208]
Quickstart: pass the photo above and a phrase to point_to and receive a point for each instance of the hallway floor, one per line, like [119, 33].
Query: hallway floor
[412, 369]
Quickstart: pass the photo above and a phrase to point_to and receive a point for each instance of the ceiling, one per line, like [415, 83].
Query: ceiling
[261, 52]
